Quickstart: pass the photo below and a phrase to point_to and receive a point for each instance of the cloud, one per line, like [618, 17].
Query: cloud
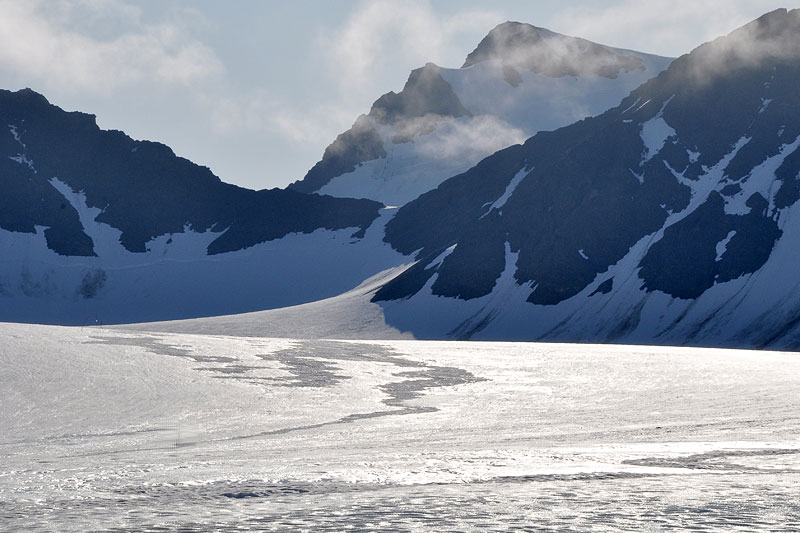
[97, 46]
[660, 26]
[470, 139]
[771, 37]
[257, 111]
[385, 37]
[371, 53]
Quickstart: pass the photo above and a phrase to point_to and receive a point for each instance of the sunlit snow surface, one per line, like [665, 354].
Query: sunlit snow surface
[104, 429]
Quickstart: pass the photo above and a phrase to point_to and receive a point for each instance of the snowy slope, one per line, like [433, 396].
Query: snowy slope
[111, 430]
[350, 315]
[520, 79]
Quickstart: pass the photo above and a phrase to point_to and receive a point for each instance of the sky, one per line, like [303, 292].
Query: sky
[256, 89]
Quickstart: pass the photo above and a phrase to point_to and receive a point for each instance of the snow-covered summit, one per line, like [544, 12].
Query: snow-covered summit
[519, 80]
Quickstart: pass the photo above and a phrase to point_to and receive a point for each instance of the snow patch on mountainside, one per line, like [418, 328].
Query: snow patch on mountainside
[722, 246]
[439, 259]
[186, 246]
[452, 317]
[711, 179]
[22, 159]
[512, 185]
[761, 180]
[655, 133]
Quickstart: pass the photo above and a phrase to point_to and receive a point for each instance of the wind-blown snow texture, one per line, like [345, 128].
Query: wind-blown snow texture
[519, 80]
[672, 218]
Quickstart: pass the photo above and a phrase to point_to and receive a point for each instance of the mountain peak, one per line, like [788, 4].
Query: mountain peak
[425, 93]
[505, 37]
[526, 47]
[779, 27]
[773, 38]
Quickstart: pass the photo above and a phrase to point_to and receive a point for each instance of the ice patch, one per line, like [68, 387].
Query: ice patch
[500, 202]
[655, 133]
[16, 135]
[633, 105]
[22, 159]
[722, 245]
[582, 254]
[711, 178]
[764, 103]
[441, 257]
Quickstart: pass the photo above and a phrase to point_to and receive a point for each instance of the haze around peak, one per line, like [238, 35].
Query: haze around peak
[258, 91]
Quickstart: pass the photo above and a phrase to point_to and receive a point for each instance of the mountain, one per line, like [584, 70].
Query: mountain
[671, 218]
[519, 80]
[96, 226]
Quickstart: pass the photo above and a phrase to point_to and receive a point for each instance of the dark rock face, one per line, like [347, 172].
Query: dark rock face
[142, 188]
[27, 200]
[522, 46]
[425, 93]
[592, 190]
[359, 144]
[686, 261]
[272, 214]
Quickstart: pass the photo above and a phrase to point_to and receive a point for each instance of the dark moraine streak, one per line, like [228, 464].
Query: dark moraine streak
[142, 188]
[592, 190]
[312, 363]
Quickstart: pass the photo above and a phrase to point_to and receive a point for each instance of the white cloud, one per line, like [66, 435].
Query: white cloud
[470, 139]
[384, 37]
[660, 26]
[372, 52]
[97, 46]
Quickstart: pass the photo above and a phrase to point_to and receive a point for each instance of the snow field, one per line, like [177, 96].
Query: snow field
[105, 427]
